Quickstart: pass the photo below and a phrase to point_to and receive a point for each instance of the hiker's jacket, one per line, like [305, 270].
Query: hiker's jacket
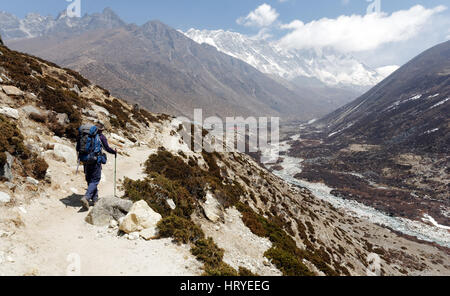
[105, 144]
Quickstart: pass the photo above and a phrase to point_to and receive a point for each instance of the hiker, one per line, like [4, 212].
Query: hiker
[89, 146]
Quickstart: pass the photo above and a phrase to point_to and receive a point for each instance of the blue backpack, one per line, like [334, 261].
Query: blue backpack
[89, 145]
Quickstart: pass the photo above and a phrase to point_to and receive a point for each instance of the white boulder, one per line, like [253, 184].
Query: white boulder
[133, 236]
[119, 138]
[28, 109]
[99, 109]
[140, 217]
[107, 209]
[4, 197]
[113, 224]
[32, 181]
[171, 204]
[212, 208]
[65, 152]
[62, 118]
[9, 112]
[149, 233]
[12, 90]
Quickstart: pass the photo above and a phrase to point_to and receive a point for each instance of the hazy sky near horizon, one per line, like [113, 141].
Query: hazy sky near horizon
[401, 29]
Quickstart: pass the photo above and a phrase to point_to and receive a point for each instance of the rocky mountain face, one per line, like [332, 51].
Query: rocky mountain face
[394, 140]
[164, 70]
[312, 67]
[181, 212]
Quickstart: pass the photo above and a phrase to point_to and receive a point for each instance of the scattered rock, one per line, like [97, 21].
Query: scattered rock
[133, 236]
[5, 233]
[108, 208]
[12, 90]
[65, 152]
[113, 224]
[140, 217]
[4, 197]
[57, 139]
[48, 176]
[118, 138]
[9, 112]
[99, 109]
[89, 113]
[212, 208]
[11, 186]
[6, 171]
[29, 109]
[171, 204]
[149, 233]
[76, 89]
[32, 181]
[62, 118]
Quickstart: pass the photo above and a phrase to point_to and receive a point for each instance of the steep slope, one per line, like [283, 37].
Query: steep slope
[256, 222]
[408, 110]
[393, 141]
[328, 67]
[162, 69]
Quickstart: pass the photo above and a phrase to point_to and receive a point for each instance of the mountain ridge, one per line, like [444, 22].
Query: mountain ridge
[162, 69]
[331, 68]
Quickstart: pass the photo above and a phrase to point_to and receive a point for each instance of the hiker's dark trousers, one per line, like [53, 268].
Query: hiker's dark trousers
[93, 173]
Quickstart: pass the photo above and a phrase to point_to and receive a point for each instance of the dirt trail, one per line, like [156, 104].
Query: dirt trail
[56, 241]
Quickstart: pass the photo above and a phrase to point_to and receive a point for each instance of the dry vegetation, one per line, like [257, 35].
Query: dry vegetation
[11, 141]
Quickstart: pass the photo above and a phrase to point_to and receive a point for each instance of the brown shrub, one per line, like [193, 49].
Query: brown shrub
[180, 229]
[40, 168]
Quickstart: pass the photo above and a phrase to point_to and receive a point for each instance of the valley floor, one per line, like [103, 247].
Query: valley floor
[291, 169]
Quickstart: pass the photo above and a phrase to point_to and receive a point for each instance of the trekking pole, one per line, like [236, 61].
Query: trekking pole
[115, 174]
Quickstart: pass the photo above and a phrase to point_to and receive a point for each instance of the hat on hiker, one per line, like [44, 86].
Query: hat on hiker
[100, 126]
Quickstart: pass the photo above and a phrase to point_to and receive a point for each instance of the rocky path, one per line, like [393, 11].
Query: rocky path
[55, 240]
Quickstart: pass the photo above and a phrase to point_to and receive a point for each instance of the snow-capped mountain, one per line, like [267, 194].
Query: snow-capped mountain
[11, 27]
[35, 25]
[328, 66]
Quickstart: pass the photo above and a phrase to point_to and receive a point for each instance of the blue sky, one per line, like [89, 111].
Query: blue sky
[211, 14]
[403, 30]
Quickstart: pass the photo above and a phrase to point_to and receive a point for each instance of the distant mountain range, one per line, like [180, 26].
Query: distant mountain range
[318, 66]
[165, 71]
[35, 25]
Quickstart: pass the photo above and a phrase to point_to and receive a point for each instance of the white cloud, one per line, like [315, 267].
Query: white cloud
[358, 33]
[263, 16]
[387, 70]
[263, 34]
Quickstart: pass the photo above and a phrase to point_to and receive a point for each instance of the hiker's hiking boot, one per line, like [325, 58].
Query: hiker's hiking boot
[85, 203]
